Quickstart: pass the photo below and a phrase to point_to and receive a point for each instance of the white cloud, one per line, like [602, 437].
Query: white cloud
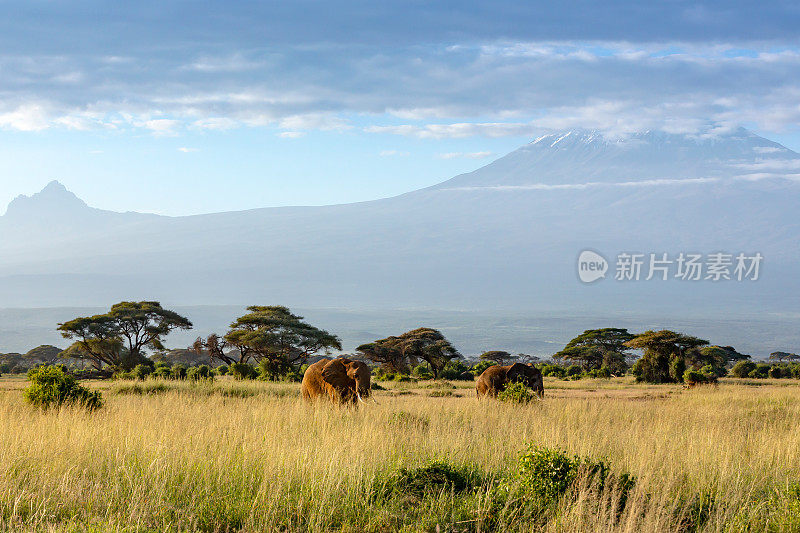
[161, 126]
[768, 149]
[456, 131]
[187, 150]
[465, 155]
[393, 153]
[28, 117]
[291, 134]
[215, 123]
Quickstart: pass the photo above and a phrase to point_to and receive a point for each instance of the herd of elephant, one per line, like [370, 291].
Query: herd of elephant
[347, 381]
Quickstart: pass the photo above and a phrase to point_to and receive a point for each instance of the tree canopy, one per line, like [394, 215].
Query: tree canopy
[595, 348]
[422, 344]
[276, 338]
[784, 356]
[118, 338]
[665, 355]
[497, 356]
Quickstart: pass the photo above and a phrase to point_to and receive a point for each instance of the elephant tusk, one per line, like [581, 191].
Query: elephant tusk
[359, 397]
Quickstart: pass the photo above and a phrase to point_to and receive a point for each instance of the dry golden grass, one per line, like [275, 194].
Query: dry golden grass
[197, 459]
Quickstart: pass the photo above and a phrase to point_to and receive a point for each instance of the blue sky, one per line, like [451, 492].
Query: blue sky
[191, 107]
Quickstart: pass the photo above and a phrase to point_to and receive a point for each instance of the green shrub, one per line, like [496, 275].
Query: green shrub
[603, 373]
[556, 371]
[141, 371]
[742, 369]
[432, 479]
[761, 371]
[677, 368]
[178, 371]
[51, 387]
[241, 371]
[222, 370]
[202, 372]
[456, 370]
[574, 371]
[516, 392]
[422, 372]
[796, 371]
[548, 474]
[775, 372]
[695, 377]
[162, 371]
[479, 368]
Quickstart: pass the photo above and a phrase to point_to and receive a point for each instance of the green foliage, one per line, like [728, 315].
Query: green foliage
[222, 370]
[178, 371]
[696, 377]
[761, 371]
[202, 372]
[499, 357]
[595, 348]
[574, 371]
[456, 370]
[241, 371]
[431, 479]
[400, 353]
[275, 335]
[266, 371]
[547, 474]
[665, 357]
[118, 338]
[776, 372]
[742, 369]
[479, 368]
[556, 371]
[421, 371]
[603, 372]
[516, 392]
[162, 370]
[51, 387]
[141, 371]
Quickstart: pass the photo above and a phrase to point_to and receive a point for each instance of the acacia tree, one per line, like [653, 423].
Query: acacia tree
[784, 356]
[118, 338]
[278, 339]
[665, 355]
[595, 348]
[421, 344]
[214, 346]
[497, 356]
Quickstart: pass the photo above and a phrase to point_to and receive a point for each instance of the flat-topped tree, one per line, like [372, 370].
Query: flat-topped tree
[784, 356]
[277, 337]
[665, 355]
[497, 356]
[118, 338]
[421, 344]
[595, 348]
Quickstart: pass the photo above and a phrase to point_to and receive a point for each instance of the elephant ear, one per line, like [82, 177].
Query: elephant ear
[335, 373]
[518, 372]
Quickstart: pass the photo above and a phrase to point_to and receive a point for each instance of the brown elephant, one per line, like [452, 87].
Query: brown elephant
[341, 380]
[495, 378]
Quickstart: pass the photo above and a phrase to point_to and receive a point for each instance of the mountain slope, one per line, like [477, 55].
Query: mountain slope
[503, 237]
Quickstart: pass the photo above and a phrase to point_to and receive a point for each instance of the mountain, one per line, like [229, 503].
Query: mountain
[504, 237]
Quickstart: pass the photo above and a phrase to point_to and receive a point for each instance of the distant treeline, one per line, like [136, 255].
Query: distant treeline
[272, 343]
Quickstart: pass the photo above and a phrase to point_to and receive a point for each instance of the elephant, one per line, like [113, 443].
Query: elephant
[495, 378]
[341, 380]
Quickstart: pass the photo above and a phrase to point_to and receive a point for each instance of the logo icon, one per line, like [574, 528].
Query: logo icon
[591, 266]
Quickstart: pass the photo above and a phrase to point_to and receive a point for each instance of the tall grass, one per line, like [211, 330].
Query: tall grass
[180, 460]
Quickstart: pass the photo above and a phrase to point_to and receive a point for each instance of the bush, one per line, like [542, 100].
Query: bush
[479, 368]
[222, 370]
[422, 372]
[434, 478]
[556, 371]
[761, 371]
[574, 371]
[549, 473]
[516, 392]
[178, 371]
[776, 372]
[742, 369]
[51, 387]
[162, 371]
[141, 371]
[796, 371]
[456, 370]
[603, 372]
[242, 371]
[695, 377]
[196, 373]
[677, 368]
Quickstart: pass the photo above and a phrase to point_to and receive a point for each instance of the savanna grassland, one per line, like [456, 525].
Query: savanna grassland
[250, 456]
